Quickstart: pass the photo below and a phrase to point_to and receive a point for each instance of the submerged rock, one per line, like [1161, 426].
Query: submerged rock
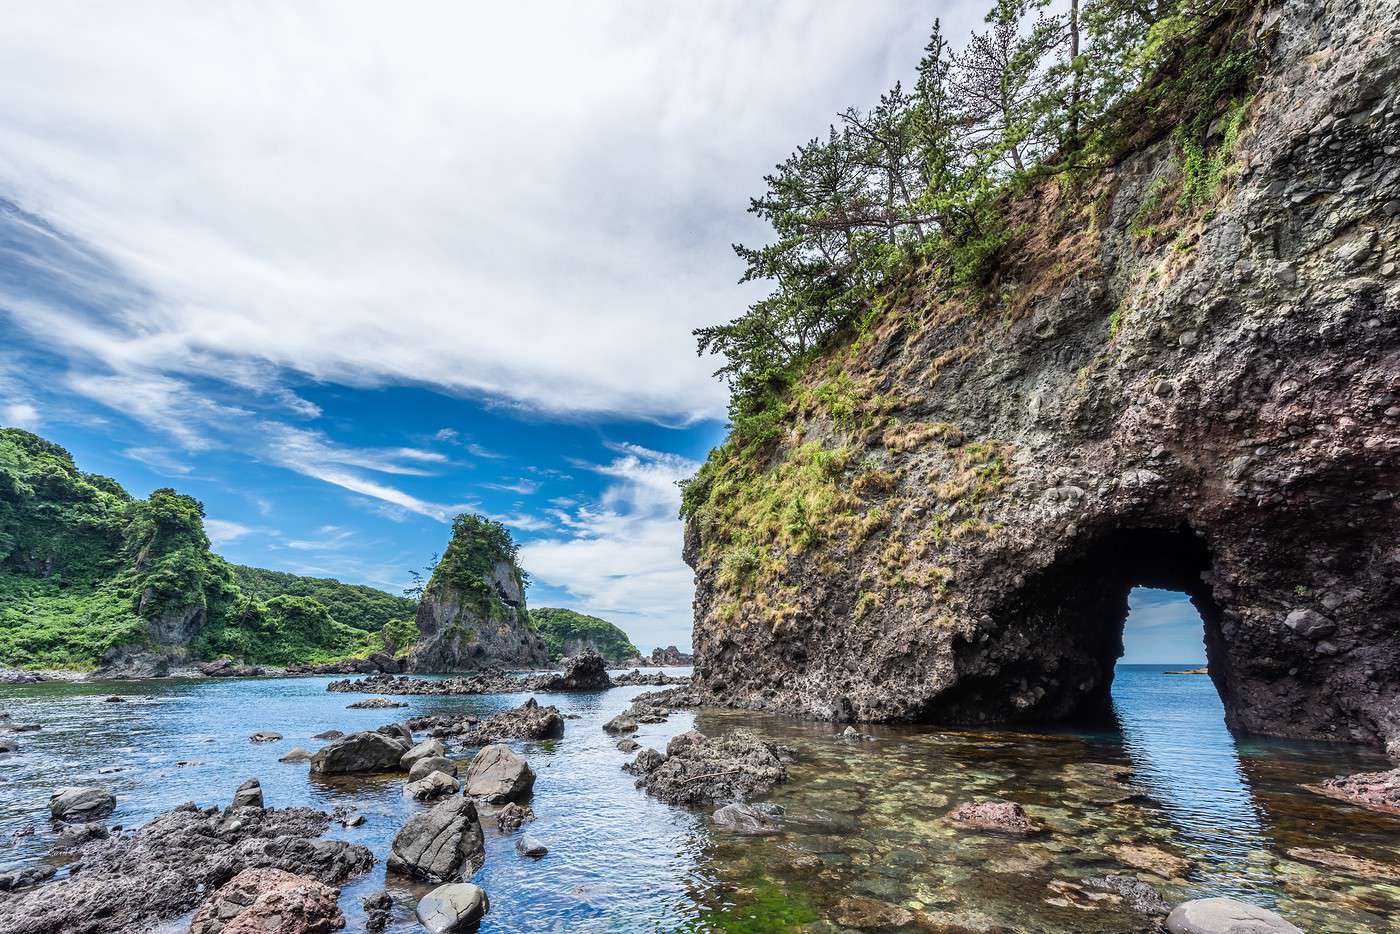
[264, 736]
[81, 804]
[1149, 859]
[360, 752]
[995, 816]
[1226, 916]
[441, 844]
[376, 906]
[706, 770]
[262, 901]
[329, 734]
[869, 914]
[498, 775]
[1137, 895]
[449, 909]
[1379, 791]
[298, 754]
[163, 870]
[745, 819]
[1356, 865]
[628, 745]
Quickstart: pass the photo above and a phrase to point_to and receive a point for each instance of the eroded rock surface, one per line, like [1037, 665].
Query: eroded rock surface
[441, 844]
[270, 901]
[705, 770]
[1379, 791]
[1213, 408]
[360, 752]
[498, 775]
[995, 816]
[587, 671]
[166, 868]
[449, 909]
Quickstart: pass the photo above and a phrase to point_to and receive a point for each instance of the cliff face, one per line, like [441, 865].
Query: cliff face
[1202, 399]
[473, 612]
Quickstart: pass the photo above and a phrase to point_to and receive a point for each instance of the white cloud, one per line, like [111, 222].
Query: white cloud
[158, 459]
[223, 531]
[20, 415]
[529, 201]
[620, 558]
[523, 487]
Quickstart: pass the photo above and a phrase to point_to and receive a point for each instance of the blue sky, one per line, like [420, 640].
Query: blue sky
[1163, 628]
[341, 270]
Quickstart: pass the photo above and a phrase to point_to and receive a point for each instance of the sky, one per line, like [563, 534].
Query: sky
[1162, 628]
[342, 270]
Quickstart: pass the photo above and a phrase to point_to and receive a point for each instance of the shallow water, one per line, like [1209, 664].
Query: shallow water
[872, 810]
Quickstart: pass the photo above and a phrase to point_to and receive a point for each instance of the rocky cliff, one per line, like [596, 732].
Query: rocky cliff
[1202, 397]
[473, 612]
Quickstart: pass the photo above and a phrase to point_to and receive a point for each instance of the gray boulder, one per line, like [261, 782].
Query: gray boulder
[8, 744]
[75, 835]
[424, 750]
[298, 754]
[427, 766]
[1226, 916]
[449, 909]
[529, 846]
[359, 752]
[441, 844]
[81, 804]
[248, 795]
[498, 775]
[433, 785]
[646, 762]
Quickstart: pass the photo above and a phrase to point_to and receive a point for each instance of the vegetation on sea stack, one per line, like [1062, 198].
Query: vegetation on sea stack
[897, 220]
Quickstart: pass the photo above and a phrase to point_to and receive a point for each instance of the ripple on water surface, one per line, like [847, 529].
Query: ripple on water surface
[1172, 799]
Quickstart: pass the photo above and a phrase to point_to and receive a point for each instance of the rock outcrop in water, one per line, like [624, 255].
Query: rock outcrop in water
[699, 770]
[1200, 400]
[129, 881]
[473, 612]
[262, 901]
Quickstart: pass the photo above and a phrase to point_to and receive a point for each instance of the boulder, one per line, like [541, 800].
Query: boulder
[870, 914]
[298, 754]
[994, 816]
[19, 676]
[528, 721]
[586, 671]
[328, 734]
[433, 785]
[646, 762]
[81, 804]
[744, 819]
[628, 745]
[708, 770]
[17, 879]
[620, 724]
[1137, 895]
[1226, 916]
[359, 752]
[375, 703]
[8, 744]
[264, 736]
[449, 909]
[398, 731]
[441, 844]
[498, 775]
[426, 749]
[530, 846]
[136, 881]
[75, 835]
[377, 906]
[248, 795]
[511, 817]
[684, 741]
[425, 767]
[263, 901]
[1149, 859]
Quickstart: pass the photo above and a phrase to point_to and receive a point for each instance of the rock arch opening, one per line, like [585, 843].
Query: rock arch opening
[1049, 651]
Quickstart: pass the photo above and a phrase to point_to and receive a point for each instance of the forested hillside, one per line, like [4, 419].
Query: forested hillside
[567, 632]
[87, 570]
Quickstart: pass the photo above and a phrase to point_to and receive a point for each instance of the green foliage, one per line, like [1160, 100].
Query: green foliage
[478, 546]
[85, 567]
[1203, 165]
[366, 608]
[922, 178]
[563, 629]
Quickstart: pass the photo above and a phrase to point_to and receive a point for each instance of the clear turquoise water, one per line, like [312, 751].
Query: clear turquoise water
[872, 812]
